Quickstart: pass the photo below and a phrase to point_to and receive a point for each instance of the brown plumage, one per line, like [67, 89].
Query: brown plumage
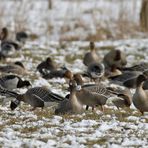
[116, 58]
[47, 66]
[140, 97]
[124, 98]
[92, 94]
[4, 39]
[91, 57]
[112, 72]
[71, 105]
[16, 68]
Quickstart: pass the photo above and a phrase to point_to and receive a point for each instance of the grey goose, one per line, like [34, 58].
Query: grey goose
[36, 97]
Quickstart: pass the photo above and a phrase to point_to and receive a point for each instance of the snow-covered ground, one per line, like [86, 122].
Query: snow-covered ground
[41, 128]
[70, 20]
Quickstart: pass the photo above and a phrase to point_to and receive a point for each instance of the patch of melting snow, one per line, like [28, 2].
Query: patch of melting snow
[56, 120]
[107, 126]
[132, 118]
[133, 142]
[41, 82]
[85, 123]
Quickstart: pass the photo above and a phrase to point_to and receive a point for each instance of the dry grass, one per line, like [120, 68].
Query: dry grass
[111, 29]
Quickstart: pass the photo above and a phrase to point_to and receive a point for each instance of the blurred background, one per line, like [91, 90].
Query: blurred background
[76, 20]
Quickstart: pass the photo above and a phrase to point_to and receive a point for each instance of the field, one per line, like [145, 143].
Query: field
[66, 38]
[41, 128]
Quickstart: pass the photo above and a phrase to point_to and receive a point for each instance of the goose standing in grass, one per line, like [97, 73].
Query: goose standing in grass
[92, 94]
[71, 105]
[78, 78]
[13, 81]
[91, 57]
[116, 58]
[36, 97]
[140, 97]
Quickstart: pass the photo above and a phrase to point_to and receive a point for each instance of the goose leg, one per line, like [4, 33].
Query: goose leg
[102, 108]
[118, 108]
[87, 107]
[93, 108]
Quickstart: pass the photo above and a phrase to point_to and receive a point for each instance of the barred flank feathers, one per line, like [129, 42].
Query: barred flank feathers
[8, 93]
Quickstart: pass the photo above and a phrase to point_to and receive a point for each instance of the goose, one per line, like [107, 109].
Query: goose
[96, 71]
[143, 66]
[140, 97]
[91, 57]
[7, 46]
[13, 81]
[132, 82]
[62, 73]
[124, 98]
[16, 68]
[92, 94]
[71, 105]
[36, 97]
[116, 58]
[125, 76]
[21, 36]
[46, 66]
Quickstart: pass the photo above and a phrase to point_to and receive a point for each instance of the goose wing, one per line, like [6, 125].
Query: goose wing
[45, 94]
